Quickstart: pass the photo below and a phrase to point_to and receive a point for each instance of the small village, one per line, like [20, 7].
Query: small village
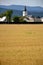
[25, 18]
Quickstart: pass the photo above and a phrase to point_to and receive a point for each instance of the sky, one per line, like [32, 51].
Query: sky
[22, 2]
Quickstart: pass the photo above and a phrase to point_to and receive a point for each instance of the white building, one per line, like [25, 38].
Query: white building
[3, 19]
[29, 19]
[42, 19]
[25, 11]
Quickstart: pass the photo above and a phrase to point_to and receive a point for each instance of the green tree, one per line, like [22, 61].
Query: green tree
[16, 19]
[8, 15]
[2, 14]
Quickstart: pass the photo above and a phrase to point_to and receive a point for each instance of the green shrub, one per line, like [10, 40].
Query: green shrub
[16, 19]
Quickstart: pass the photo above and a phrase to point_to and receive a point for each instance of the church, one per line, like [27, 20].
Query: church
[27, 18]
[25, 11]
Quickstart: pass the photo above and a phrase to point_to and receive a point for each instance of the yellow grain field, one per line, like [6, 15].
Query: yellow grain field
[21, 44]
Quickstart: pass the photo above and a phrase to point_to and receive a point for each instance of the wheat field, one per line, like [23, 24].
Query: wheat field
[21, 44]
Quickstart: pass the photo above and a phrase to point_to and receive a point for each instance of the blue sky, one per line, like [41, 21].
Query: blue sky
[22, 2]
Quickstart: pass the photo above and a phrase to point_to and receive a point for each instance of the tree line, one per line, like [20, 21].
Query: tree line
[10, 19]
[15, 19]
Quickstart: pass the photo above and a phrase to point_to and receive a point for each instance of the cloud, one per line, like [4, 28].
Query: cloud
[22, 2]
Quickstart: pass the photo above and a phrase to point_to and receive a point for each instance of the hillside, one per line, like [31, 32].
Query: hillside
[17, 10]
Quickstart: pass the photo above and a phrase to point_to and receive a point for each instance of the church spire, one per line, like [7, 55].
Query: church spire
[25, 8]
[25, 11]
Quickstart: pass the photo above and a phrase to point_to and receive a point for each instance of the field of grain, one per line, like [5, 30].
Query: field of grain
[21, 44]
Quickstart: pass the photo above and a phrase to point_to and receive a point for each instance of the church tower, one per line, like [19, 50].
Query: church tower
[25, 11]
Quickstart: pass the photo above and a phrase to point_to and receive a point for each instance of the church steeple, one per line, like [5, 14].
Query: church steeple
[25, 11]
[25, 8]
